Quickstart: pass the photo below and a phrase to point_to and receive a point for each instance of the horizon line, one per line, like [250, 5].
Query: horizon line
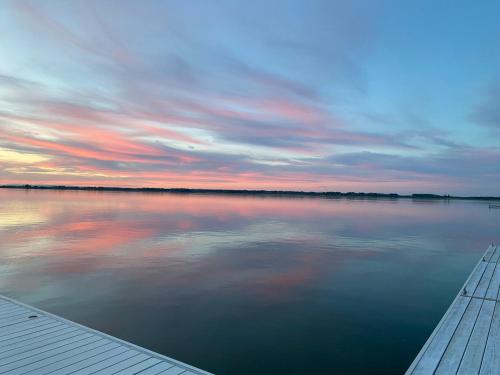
[248, 192]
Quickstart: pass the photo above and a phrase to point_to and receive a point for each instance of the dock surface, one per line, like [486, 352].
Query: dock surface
[33, 341]
[467, 339]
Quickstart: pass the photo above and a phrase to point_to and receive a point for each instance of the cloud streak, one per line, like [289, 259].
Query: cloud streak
[221, 102]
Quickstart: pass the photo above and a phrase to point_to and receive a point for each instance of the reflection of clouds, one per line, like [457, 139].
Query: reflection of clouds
[13, 219]
[90, 224]
[201, 243]
[73, 238]
[262, 244]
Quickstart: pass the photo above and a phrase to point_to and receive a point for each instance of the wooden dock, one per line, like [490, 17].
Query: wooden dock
[33, 341]
[467, 339]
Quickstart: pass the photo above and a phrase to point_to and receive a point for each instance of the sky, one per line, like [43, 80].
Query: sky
[383, 96]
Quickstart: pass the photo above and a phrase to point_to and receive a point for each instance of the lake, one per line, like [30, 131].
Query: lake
[246, 285]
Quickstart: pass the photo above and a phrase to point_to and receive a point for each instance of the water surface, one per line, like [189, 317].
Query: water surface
[246, 285]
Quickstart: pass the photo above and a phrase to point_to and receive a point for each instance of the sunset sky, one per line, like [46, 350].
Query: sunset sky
[387, 96]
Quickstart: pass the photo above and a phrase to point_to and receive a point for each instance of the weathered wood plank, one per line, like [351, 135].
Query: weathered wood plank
[473, 356]
[490, 364]
[45, 351]
[35, 341]
[137, 358]
[453, 355]
[157, 369]
[13, 321]
[474, 279]
[150, 362]
[489, 252]
[173, 371]
[23, 327]
[92, 350]
[55, 359]
[494, 287]
[21, 335]
[9, 310]
[484, 283]
[31, 337]
[78, 366]
[436, 348]
[93, 368]
[7, 307]
[72, 334]
[41, 355]
[496, 254]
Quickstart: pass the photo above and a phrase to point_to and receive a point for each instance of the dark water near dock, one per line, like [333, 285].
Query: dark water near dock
[246, 285]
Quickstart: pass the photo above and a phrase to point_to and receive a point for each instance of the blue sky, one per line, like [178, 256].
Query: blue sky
[386, 96]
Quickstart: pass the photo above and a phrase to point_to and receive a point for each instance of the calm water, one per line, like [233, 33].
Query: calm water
[244, 285]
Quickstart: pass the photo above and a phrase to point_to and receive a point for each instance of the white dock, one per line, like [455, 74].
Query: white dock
[33, 341]
[467, 339]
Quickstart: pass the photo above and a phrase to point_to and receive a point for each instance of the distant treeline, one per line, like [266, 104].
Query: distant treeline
[326, 194]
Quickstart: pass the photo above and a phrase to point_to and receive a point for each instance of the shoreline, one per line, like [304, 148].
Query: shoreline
[243, 192]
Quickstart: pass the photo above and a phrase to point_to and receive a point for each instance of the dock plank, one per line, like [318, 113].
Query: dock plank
[37, 356]
[22, 327]
[496, 255]
[92, 350]
[33, 341]
[472, 283]
[485, 281]
[79, 365]
[452, 357]
[117, 367]
[84, 346]
[173, 371]
[5, 308]
[156, 369]
[489, 252]
[92, 369]
[144, 365]
[473, 356]
[494, 286]
[22, 353]
[5, 314]
[491, 359]
[31, 337]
